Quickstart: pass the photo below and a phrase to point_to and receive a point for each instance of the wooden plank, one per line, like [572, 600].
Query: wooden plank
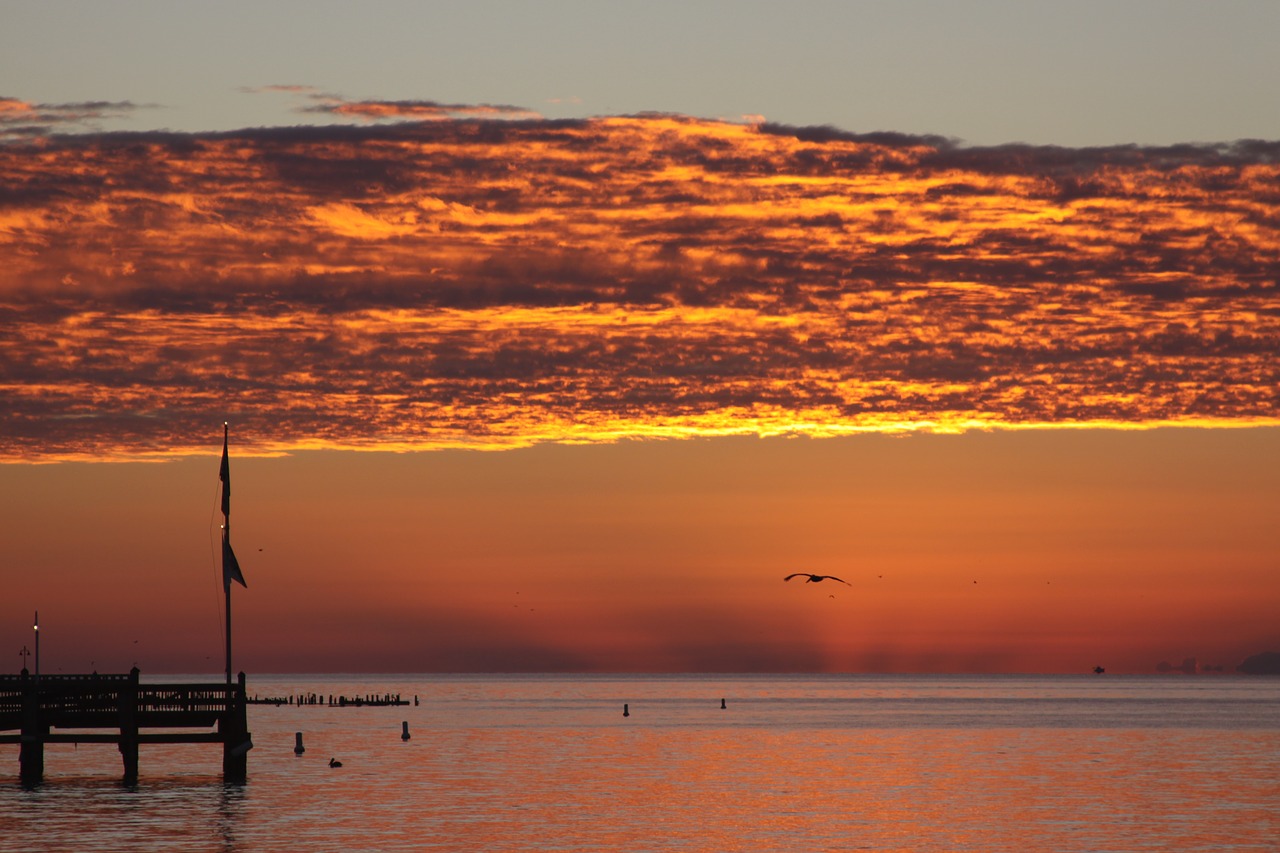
[143, 737]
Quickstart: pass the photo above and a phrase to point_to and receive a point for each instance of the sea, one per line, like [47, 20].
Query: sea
[696, 763]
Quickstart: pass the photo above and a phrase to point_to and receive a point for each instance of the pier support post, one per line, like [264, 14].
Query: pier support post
[129, 752]
[31, 750]
[236, 741]
[31, 759]
[129, 727]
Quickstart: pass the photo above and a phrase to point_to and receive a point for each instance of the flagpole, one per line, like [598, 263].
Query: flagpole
[225, 476]
[226, 586]
[230, 568]
[232, 726]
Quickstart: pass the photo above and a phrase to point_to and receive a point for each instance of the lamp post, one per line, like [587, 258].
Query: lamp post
[26, 653]
[37, 644]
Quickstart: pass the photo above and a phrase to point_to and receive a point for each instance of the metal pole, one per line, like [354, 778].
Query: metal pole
[226, 587]
[225, 475]
[37, 644]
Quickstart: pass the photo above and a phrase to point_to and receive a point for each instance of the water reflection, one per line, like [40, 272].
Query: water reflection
[790, 764]
[230, 811]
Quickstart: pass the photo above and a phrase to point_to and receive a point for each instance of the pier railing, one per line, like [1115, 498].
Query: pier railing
[34, 706]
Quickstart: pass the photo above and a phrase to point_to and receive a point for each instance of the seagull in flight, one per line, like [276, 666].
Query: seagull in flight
[812, 578]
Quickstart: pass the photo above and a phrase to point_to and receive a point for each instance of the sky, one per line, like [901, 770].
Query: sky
[552, 337]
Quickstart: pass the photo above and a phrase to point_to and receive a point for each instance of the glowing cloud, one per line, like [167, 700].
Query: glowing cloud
[493, 283]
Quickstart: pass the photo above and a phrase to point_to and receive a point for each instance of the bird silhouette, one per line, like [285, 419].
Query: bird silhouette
[333, 763]
[816, 578]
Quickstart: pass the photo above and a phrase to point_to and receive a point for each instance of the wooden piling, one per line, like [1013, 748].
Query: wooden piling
[31, 749]
[236, 743]
[128, 711]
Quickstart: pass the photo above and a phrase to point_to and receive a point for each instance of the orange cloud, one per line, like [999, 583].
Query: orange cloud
[486, 283]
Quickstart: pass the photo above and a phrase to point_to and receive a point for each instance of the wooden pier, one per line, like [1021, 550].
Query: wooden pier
[35, 707]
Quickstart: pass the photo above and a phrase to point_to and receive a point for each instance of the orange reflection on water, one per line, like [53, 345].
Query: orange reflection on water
[911, 764]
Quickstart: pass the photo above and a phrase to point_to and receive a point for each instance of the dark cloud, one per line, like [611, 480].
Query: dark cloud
[23, 120]
[482, 282]
[827, 133]
[414, 110]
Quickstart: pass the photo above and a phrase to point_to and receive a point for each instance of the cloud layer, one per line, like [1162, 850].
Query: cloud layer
[495, 283]
[24, 120]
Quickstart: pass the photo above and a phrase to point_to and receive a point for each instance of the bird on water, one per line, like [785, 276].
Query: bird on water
[816, 578]
[333, 763]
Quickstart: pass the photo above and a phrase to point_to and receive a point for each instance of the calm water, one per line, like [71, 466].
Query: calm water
[509, 763]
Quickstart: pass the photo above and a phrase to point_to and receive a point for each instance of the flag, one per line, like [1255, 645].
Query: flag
[230, 566]
[224, 474]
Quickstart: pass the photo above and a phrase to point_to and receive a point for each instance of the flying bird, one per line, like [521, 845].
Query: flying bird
[816, 578]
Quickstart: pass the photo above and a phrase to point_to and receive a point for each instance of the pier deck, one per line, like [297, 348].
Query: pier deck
[33, 707]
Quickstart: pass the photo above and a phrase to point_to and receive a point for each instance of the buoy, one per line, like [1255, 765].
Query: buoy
[625, 712]
[722, 705]
[298, 748]
[404, 730]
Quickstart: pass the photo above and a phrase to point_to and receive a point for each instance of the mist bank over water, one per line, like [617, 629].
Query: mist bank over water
[1264, 663]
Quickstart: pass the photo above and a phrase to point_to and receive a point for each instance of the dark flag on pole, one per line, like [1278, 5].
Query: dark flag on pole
[224, 474]
[230, 566]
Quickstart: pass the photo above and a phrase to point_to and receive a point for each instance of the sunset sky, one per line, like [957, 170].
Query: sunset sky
[552, 336]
